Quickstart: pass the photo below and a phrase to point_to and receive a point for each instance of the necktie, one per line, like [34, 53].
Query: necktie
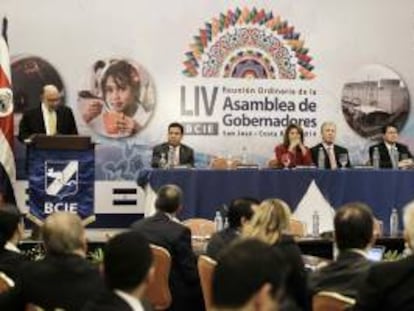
[176, 156]
[394, 156]
[331, 156]
[52, 122]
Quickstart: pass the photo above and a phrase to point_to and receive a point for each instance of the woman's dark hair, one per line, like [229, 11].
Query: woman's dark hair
[9, 222]
[290, 127]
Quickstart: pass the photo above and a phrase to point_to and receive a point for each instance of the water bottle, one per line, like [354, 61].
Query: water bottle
[315, 224]
[244, 159]
[163, 161]
[321, 158]
[376, 158]
[218, 221]
[394, 223]
[226, 223]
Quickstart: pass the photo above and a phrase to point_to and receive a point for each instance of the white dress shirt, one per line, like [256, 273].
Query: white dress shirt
[132, 301]
[50, 120]
[11, 247]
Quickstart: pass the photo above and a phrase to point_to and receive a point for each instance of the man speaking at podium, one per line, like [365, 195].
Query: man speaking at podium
[49, 118]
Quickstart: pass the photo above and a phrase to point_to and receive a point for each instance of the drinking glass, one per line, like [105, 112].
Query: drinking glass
[343, 160]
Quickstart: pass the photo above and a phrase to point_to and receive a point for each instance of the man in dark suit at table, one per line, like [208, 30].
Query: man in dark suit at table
[165, 230]
[49, 118]
[389, 150]
[332, 152]
[240, 212]
[180, 153]
[389, 285]
[128, 270]
[353, 224]
[64, 279]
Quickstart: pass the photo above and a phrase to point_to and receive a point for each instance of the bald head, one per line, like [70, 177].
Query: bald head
[50, 96]
[63, 233]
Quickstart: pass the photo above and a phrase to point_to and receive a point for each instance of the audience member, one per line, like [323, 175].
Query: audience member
[392, 154]
[292, 152]
[239, 213]
[128, 270]
[11, 232]
[269, 224]
[388, 286]
[332, 152]
[181, 154]
[249, 276]
[353, 224]
[64, 278]
[165, 230]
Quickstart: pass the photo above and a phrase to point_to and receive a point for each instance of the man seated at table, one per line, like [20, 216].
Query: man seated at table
[239, 213]
[173, 150]
[165, 230]
[389, 285]
[391, 153]
[64, 279]
[354, 225]
[249, 276]
[332, 152]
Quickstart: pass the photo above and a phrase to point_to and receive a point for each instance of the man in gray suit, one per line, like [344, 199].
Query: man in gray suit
[173, 150]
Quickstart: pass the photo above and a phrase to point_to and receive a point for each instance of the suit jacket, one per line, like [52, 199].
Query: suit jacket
[186, 155]
[176, 238]
[32, 122]
[109, 301]
[11, 263]
[388, 286]
[219, 240]
[6, 189]
[64, 281]
[344, 276]
[296, 157]
[385, 160]
[337, 150]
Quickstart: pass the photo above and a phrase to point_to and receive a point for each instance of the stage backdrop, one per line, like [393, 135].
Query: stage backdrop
[234, 72]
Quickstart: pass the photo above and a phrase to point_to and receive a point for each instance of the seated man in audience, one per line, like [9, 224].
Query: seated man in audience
[239, 213]
[331, 151]
[389, 150]
[128, 270]
[389, 286]
[165, 230]
[181, 154]
[353, 224]
[249, 276]
[64, 279]
[11, 232]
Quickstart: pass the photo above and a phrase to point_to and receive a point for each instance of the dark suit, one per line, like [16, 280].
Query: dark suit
[32, 122]
[176, 238]
[220, 240]
[344, 276]
[385, 160]
[109, 301]
[66, 281]
[186, 155]
[388, 286]
[337, 150]
[6, 189]
[11, 263]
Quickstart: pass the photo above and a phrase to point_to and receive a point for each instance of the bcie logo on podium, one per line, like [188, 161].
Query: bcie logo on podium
[61, 183]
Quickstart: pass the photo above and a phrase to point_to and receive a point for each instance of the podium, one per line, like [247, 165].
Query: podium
[61, 174]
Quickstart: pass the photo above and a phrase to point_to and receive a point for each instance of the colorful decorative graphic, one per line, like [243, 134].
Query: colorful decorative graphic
[248, 44]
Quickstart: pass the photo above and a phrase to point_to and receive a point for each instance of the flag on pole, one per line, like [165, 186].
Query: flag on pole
[6, 112]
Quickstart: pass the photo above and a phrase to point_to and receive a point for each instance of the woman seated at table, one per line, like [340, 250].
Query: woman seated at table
[270, 223]
[292, 152]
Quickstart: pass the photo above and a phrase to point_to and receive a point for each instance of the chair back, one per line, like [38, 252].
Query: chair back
[331, 301]
[297, 228]
[158, 291]
[221, 163]
[206, 266]
[200, 227]
[6, 283]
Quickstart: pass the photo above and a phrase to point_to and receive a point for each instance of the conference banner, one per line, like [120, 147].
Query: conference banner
[235, 73]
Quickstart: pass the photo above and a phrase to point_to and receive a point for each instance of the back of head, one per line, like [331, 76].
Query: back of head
[242, 269]
[169, 199]
[9, 223]
[240, 208]
[270, 219]
[128, 259]
[408, 219]
[63, 233]
[353, 224]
